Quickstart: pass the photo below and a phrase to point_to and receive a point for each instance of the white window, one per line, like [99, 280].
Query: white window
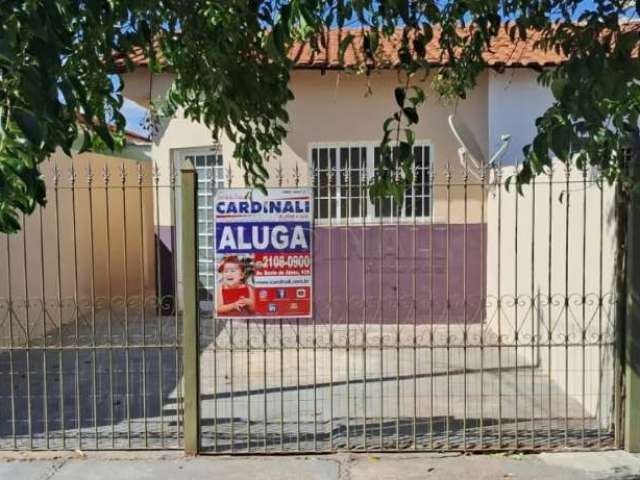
[209, 166]
[341, 173]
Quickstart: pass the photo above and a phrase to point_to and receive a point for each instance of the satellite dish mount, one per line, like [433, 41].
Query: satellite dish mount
[469, 152]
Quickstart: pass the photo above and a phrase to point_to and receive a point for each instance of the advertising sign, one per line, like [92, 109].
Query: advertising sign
[263, 253]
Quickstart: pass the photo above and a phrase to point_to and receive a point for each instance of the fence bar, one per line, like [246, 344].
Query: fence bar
[550, 309]
[94, 363]
[499, 301]
[190, 311]
[45, 370]
[483, 300]
[583, 331]
[332, 189]
[535, 338]
[346, 191]
[397, 209]
[515, 310]
[76, 307]
[448, 304]
[142, 247]
[431, 313]
[56, 178]
[414, 290]
[566, 307]
[125, 263]
[159, 306]
[381, 339]
[27, 333]
[631, 335]
[176, 323]
[11, 353]
[465, 300]
[106, 178]
[600, 308]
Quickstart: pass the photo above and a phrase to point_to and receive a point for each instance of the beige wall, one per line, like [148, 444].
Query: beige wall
[335, 107]
[69, 250]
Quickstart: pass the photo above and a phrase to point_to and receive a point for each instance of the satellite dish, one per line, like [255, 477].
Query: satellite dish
[469, 152]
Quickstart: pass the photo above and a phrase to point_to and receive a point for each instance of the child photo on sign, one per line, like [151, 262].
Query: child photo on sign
[235, 297]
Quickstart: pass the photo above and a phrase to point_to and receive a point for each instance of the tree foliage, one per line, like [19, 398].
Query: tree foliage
[232, 70]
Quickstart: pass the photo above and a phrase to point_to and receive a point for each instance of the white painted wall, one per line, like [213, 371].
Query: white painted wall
[515, 101]
[565, 248]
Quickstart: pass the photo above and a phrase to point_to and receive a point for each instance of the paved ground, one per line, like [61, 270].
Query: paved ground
[323, 390]
[160, 466]
[292, 388]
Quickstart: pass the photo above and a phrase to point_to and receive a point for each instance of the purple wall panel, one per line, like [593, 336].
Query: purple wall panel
[372, 270]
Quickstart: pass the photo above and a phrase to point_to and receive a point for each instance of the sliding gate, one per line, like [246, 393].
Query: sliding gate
[467, 318]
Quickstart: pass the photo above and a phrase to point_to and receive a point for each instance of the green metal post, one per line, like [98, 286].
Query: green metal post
[190, 310]
[632, 324]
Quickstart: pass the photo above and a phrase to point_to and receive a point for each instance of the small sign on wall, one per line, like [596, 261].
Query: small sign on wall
[263, 253]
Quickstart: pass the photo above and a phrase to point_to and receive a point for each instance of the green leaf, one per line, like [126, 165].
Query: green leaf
[6, 53]
[419, 46]
[525, 174]
[344, 44]
[277, 39]
[410, 136]
[86, 143]
[370, 43]
[29, 125]
[558, 88]
[404, 153]
[507, 183]
[404, 55]
[400, 95]
[427, 32]
[105, 135]
[418, 97]
[540, 147]
[560, 142]
[411, 114]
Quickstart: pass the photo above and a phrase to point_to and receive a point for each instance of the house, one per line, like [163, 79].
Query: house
[335, 126]
[463, 251]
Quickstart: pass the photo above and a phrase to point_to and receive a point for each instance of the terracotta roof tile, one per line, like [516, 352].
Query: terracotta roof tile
[502, 52]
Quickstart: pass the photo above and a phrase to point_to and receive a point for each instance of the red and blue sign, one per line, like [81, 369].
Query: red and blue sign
[263, 253]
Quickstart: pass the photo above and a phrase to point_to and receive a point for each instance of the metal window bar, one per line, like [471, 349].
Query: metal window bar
[347, 197]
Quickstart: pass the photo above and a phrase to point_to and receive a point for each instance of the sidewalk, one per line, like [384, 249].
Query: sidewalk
[174, 466]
